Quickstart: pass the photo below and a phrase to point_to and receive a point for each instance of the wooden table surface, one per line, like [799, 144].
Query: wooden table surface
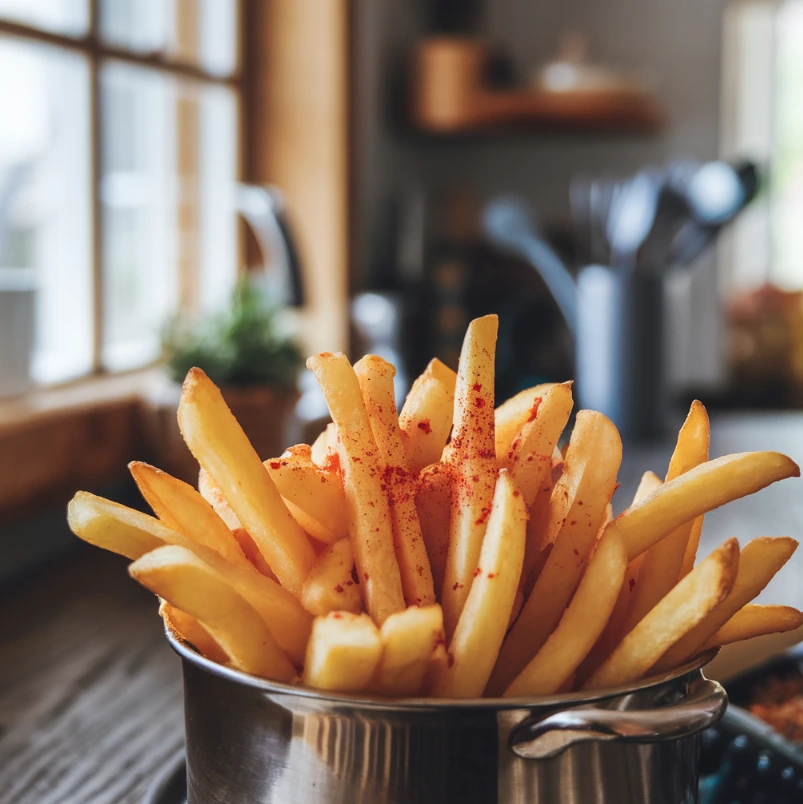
[90, 693]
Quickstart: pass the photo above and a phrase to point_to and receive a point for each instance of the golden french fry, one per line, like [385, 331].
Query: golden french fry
[251, 552]
[698, 491]
[760, 560]
[343, 652]
[754, 621]
[324, 450]
[375, 376]
[529, 458]
[214, 496]
[473, 458]
[593, 458]
[221, 447]
[614, 630]
[188, 583]
[329, 585]
[580, 625]
[433, 501]
[314, 497]
[664, 560]
[409, 638]
[486, 614]
[370, 523]
[690, 556]
[426, 416]
[705, 587]
[182, 508]
[186, 627]
[513, 414]
[132, 534]
[538, 535]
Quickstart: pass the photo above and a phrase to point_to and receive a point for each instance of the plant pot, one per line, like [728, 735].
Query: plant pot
[265, 413]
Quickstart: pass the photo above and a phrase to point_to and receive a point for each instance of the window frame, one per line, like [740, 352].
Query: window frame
[97, 53]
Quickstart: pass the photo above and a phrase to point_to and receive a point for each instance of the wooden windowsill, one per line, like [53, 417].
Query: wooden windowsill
[53, 441]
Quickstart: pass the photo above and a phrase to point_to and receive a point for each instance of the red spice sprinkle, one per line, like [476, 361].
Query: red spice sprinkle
[534, 408]
[632, 583]
[530, 459]
[477, 386]
[425, 426]
[457, 586]
[483, 517]
[339, 589]
[576, 551]
[573, 522]
[337, 615]
[349, 583]
[475, 478]
[479, 402]
[365, 575]
[323, 479]
[516, 492]
[579, 502]
[275, 465]
[477, 571]
[492, 574]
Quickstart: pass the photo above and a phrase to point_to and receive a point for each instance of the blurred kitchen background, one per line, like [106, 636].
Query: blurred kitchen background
[382, 172]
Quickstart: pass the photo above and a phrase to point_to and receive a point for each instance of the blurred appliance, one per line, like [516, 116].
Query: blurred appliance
[17, 312]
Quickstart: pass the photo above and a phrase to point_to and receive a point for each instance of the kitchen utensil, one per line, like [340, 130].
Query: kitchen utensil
[616, 318]
[250, 740]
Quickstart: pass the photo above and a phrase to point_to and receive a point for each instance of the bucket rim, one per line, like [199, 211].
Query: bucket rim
[361, 700]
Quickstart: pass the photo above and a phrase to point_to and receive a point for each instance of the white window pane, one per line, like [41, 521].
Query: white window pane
[45, 220]
[217, 214]
[69, 17]
[138, 193]
[200, 32]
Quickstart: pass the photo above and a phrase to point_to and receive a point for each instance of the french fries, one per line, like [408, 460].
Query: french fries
[593, 458]
[760, 560]
[474, 647]
[702, 489]
[392, 559]
[704, 588]
[184, 580]
[472, 456]
[513, 414]
[375, 376]
[663, 562]
[221, 447]
[754, 621]
[433, 501]
[343, 653]
[426, 416]
[409, 639]
[314, 497]
[133, 534]
[329, 585]
[182, 508]
[529, 457]
[580, 625]
[187, 627]
[370, 523]
[615, 629]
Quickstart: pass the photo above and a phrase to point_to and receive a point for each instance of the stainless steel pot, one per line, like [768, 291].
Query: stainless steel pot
[251, 741]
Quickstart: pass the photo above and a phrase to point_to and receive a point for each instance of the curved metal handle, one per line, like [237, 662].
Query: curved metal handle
[543, 738]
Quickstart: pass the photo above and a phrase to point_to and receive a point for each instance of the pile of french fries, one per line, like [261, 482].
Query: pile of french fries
[450, 550]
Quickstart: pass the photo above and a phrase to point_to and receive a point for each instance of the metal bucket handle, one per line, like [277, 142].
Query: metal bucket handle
[538, 737]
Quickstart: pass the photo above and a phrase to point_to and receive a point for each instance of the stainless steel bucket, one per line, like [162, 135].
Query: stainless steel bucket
[251, 741]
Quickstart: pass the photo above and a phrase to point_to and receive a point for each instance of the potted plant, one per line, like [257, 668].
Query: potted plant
[246, 353]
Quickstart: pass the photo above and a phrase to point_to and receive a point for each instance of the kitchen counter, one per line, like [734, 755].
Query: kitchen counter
[90, 692]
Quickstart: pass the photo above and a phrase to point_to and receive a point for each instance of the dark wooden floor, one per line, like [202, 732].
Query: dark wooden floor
[90, 692]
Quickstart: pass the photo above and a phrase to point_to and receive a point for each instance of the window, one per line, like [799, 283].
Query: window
[119, 153]
[763, 119]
